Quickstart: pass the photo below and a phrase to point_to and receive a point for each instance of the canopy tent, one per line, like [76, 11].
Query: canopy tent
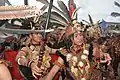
[13, 12]
[110, 25]
[16, 12]
[111, 19]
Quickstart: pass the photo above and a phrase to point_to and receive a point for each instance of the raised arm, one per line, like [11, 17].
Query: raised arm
[58, 64]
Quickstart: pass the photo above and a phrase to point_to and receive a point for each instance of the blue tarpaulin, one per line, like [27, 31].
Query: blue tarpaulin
[103, 25]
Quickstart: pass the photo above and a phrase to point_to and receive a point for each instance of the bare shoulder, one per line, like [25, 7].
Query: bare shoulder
[24, 50]
[2, 66]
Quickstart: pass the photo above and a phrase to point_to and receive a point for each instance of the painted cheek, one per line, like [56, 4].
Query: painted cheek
[37, 39]
[79, 37]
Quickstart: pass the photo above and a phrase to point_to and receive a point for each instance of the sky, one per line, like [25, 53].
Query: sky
[98, 9]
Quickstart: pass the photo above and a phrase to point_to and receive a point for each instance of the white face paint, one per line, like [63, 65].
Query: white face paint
[74, 60]
[69, 56]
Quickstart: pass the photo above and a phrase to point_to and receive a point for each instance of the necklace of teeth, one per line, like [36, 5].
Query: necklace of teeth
[43, 59]
[78, 64]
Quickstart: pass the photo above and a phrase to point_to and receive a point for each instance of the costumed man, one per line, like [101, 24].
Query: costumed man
[34, 59]
[105, 62]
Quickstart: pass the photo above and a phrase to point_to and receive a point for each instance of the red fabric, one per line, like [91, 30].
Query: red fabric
[1, 47]
[10, 56]
[71, 8]
[56, 77]
[71, 11]
[54, 58]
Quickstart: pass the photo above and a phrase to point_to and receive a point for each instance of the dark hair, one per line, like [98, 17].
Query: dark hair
[102, 40]
[90, 56]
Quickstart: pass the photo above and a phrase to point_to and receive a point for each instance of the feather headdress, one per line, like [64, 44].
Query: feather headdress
[62, 16]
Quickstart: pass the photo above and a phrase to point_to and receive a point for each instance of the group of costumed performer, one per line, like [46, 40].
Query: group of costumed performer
[75, 61]
[73, 53]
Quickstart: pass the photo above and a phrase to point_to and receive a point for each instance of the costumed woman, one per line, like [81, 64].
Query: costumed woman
[77, 55]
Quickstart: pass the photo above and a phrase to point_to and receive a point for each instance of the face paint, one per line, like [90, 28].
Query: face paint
[78, 38]
[36, 37]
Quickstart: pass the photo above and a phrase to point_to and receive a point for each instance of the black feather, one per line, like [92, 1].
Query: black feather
[43, 8]
[60, 17]
[115, 14]
[53, 21]
[44, 2]
[64, 8]
[117, 4]
[55, 9]
[57, 17]
[90, 19]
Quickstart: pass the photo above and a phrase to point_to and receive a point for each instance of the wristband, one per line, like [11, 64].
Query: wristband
[29, 63]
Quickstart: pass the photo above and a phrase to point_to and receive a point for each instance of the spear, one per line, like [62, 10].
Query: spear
[48, 17]
[44, 33]
[47, 22]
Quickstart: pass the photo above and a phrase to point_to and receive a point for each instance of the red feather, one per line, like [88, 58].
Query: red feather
[71, 8]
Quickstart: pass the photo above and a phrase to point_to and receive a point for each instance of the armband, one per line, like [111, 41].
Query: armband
[18, 61]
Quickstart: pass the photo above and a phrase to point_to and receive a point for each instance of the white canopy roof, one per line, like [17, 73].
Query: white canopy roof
[21, 11]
